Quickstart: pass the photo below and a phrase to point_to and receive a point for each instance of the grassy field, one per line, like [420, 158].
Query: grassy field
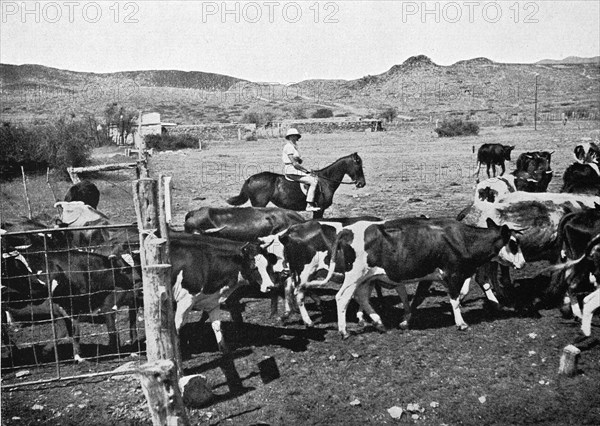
[502, 371]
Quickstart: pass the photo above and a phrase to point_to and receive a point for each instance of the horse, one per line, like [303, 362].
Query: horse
[276, 188]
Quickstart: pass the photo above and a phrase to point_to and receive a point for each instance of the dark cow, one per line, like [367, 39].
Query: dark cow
[87, 283]
[537, 215]
[418, 249]
[206, 270]
[241, 223]
[84, 191]
[585, 275]
[533, 172]
[582, 179]
[575, 231]
[493, 154]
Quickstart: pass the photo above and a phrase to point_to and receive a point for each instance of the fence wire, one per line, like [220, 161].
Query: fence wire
[51, 284]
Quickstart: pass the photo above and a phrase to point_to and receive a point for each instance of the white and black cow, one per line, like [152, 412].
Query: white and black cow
[417, 249]
[307, 248]
[206, 270]
[583, 176]
[245, 224]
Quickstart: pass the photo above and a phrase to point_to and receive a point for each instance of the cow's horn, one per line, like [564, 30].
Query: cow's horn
[214, 230]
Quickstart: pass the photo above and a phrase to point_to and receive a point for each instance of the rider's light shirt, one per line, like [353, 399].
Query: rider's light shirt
[289, 169]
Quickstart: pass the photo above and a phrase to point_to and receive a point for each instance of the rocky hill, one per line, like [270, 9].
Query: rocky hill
[417, 88]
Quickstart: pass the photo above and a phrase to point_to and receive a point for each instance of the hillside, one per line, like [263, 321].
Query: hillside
[479, 87]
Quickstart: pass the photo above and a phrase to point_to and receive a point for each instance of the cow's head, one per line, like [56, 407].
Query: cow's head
[272, 245]
[507, 150]
[355, 171]
[510, 253]
[256, 264]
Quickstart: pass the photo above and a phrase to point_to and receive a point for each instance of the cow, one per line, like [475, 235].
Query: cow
[575, 231]
[206, 270]
[86, 283]
[491, 189]
[244, 224]
[533, 172]
[583, 176]
[241, 223]
[84, 191]
[582, 179]
[537, 215]
[416, 249]
[306, 248]
[585, 276]
[492, 154]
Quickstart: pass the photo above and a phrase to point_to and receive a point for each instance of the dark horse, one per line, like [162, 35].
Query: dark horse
[266, 186]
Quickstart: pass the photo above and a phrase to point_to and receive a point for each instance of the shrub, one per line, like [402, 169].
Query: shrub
[66, 143]
[170, 142]
[389, 114]
[457, 127]
[323, 113]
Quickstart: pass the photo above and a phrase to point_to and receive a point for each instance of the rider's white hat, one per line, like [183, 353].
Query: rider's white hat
[293, 132]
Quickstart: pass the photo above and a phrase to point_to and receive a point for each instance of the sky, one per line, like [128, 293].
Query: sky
[287, 41]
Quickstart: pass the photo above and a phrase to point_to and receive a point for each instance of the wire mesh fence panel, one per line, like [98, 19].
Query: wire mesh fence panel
[70, 294]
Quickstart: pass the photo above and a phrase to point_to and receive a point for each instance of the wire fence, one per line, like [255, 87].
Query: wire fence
[54, 288]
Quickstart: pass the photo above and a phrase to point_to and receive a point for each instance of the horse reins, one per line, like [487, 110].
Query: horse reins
[336, 181]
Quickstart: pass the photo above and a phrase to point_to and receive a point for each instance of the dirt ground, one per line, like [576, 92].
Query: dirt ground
[501, 371]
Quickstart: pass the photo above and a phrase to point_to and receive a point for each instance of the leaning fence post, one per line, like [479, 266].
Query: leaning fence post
[160, 385]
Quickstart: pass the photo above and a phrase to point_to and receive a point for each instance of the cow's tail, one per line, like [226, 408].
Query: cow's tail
[240, 199]
[331, 270]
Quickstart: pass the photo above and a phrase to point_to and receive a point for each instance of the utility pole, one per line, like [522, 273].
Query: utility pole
[535, 111]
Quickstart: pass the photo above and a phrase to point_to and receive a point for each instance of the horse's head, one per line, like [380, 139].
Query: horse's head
[355, 171]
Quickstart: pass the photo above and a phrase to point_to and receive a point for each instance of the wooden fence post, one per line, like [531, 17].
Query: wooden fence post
[159, 384]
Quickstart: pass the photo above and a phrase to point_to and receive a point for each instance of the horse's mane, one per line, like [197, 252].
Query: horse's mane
[339, 160]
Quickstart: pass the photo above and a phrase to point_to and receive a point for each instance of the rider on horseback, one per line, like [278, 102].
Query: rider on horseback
[294, 170]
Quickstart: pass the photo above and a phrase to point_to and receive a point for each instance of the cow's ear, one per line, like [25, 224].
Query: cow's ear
[491, 224]
[505, 233]
[271, 258]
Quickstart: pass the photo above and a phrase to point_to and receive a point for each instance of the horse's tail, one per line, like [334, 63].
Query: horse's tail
[240, 199]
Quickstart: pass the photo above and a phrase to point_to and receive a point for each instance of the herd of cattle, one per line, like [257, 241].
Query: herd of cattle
[512, 220]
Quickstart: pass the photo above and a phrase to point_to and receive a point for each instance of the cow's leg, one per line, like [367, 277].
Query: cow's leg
[420, 294]
[214, 317]
[232, 377]
[132, 314]
[591, 302]
[183, 307]
[110, 318]
[455, 296]
[488, 165]
[362, 294]
[76, 338]
[575, 307]
[503, 168]
[300, 296]
[401, 290]
[342, 298]
[288, 299]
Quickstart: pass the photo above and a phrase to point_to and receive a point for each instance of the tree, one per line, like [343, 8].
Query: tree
[323, 113]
